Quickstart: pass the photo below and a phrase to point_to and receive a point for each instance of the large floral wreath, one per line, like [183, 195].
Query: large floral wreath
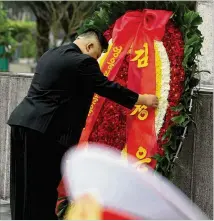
[176, 69]
[110, 125]
[176, 77]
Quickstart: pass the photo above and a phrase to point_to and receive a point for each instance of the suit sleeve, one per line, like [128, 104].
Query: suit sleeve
[105, 88]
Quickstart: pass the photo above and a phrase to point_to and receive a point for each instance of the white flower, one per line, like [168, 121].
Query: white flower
[165, 87]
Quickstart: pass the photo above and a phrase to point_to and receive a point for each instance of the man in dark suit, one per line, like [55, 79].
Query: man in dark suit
[51, 117]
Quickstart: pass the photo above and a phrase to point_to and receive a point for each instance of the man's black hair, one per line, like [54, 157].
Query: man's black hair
[103, 41]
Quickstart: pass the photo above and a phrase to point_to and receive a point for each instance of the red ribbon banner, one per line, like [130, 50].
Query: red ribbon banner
[136, 30]
[141, 135]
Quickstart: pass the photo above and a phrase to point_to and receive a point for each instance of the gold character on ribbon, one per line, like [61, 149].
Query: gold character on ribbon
[141, 156]
[142, 56]
[112, 60]
[94, 101]
[142, 112]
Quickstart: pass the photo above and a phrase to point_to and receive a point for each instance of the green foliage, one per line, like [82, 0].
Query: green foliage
[109, 11]
[19, 29]
[28, 48]
[6, 38]
[24, 32]
[14, 32]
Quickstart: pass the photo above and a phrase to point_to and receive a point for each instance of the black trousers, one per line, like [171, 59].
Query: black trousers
[35, 174]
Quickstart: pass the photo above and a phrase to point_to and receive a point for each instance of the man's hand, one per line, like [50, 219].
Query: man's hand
[149, 100]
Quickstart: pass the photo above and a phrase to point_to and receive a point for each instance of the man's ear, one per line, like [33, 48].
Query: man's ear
[89, 46]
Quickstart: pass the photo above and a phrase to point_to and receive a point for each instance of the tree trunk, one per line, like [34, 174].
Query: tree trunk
[42, 41]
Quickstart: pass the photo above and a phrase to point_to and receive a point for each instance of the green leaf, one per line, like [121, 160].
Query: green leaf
[197, 21]
[198, 32]
[185, 123]
[187, 53]
[193, 40]
[167, 134]
[167, 156]
[167, 144]
[179, 119]
[187, 87]
[178, 108]
[192, 18]
[157, 157]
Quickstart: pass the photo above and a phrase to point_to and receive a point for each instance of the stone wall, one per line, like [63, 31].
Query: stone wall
[13, 88]
[205, 9]
[193, 172]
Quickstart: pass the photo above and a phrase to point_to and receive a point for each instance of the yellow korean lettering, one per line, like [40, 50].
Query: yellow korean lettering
[142, 56]
[141, 111]
[141, 156]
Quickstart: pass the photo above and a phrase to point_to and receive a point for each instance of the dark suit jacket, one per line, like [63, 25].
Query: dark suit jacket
[61, 92]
